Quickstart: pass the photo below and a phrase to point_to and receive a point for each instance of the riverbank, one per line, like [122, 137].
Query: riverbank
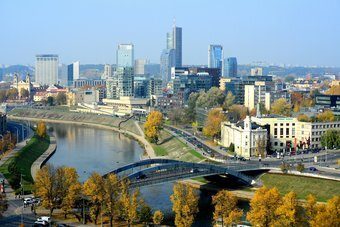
[145, 144]
[37, 164]
[19, 164]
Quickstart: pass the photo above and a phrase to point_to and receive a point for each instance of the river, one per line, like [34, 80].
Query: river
[92, 149]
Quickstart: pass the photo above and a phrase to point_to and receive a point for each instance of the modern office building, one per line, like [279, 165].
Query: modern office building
[111, 88]
[168, 60]
[152, 69]
[125, 55]
[327, 101]
[125, 79]
[155, 87]
[108, 72]
[215, 56]
[174, 41]
[140, 66]
[140, 87]
[72, 73]
[230, 67]
[46, 69]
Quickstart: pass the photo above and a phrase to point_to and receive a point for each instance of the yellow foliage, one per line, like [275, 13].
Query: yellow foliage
[213, 122]
[153, 125]
[303, 118]
[326, 116]
[158, 217]
[334, 90]
[327, 215]
[288, 212]
[281, 107]
[41, 129]
[185, 204]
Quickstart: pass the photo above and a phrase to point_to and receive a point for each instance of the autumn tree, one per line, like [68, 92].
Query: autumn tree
[153, 126]
[212, 127]
[331, 138]
[281, 107]
[41, 129]
[3, 95]
[12, 93]
[326, 116]
[334, 90]
[303, 118]
[129, 203]
[158, 217]
[45, 187]
[228, 101]
[93, 188]
[327, 214]
[185, 204]
[111, 196]
[68, 188]
[226, 208]
[61, 98]
[24, 93]
[237, 112]
[311, 208]
[190, 111]
[144, 213]
[261, 147]
[289, 213]
[176, 116]
[262, 207]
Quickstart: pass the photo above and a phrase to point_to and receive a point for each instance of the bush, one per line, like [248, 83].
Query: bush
[300, 167]
[284, 167]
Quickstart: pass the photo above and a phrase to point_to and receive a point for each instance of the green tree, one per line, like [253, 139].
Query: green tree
[12, 93]
[61, 98]
[185, 204]
[300, 167]
[228, 101]
[330, 139]
[50, 100]
[176, 116]
[284, 167]
[144, 213]
[153, 126]
[281, 107]
[214, 97]
[158, 217]
[225, 204]
[231, 148]
[212, 127]
[190, 111]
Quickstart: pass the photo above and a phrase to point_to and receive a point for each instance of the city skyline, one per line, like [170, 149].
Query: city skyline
[301, 33]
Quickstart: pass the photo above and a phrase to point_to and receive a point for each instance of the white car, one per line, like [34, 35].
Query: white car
[40, 223]
[28, 200]
[44, 218]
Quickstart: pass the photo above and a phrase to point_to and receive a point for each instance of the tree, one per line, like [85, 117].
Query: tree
[331, 138]
[213, 122]
[311, 207]
[194, 126]
[237, 113]
[153, 126]
[111, 196]
[327, 214]
[45, 187]
[303, 118]
[41, 129]
[231, 148]
[93, 188]
[129, 204]
[145, 214]
[261, 147]
[284, 167]
[300, 167]
[334, 90]
[68, 188]
[226, 208]
[24, 93]
[50, 100]
[262, 207]
[61, 98]
[228, 101]
[185, 204]
[281, 107]
[3, 95]
[214, 97]
[12, 93]
[176, 116]
[158, 217]
[289, 212]
[326, 116]
[190, 111]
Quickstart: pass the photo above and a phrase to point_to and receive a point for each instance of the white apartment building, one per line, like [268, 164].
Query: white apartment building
[46, 69]
[257, 93]
[245, 135]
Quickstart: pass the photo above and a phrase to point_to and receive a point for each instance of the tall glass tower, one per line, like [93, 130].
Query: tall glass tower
[230, 67]
[215, 56]
[174, 41]
[125, 55]
[168, 60]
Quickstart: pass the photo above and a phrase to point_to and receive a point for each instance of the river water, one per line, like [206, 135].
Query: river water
[92, 149]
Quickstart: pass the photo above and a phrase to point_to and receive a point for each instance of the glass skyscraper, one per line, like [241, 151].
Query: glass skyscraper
[125, 55]
[174, 41]
[230, 67]
[168, 60]
[215, 56]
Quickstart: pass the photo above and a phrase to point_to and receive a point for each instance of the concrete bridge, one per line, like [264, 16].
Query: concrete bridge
[156, 171]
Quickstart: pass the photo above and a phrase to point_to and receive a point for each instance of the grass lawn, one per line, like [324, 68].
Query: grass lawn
[323, 189]
[22, 162]
[174, 148]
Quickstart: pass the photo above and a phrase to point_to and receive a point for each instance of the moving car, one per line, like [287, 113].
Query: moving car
[41, 223]
[44, 218]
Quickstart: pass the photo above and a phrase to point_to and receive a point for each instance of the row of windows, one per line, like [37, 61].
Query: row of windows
[281, 124]
[326, 126]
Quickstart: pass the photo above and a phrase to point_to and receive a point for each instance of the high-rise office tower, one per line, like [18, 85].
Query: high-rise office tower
[46, 69]
[72, 73]
[230, 67]
[125, 79]
[168, 60]
[107, 72]
[140, 66]
[125, 55]
[215, 56]
[174, 41]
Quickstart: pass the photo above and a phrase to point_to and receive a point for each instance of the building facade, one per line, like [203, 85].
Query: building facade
[125, 83]
[22, 84]
[167, 62]
[46, 69]
[215, 56]
[125, 55]
[230, 67]
[140, 66]
[248, 138]
[72, 73]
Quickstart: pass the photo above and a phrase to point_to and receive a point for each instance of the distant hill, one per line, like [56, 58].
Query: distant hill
[20, 69]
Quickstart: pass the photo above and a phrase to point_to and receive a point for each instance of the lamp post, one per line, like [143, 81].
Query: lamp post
[23, 204]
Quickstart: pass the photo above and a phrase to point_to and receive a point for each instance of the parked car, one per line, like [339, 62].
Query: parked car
[313, 169]
[44, 218]
[28, 201]
[41, 223]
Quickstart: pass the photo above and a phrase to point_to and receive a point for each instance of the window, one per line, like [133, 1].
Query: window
[287, 124]
[275, 131]
[275, 143]
[275, 124]
[281, 144]
[281, 124]
[281, 131]
[287, 131]
[293, 124]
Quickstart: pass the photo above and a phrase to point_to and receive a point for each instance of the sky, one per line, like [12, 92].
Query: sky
[297, 32]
